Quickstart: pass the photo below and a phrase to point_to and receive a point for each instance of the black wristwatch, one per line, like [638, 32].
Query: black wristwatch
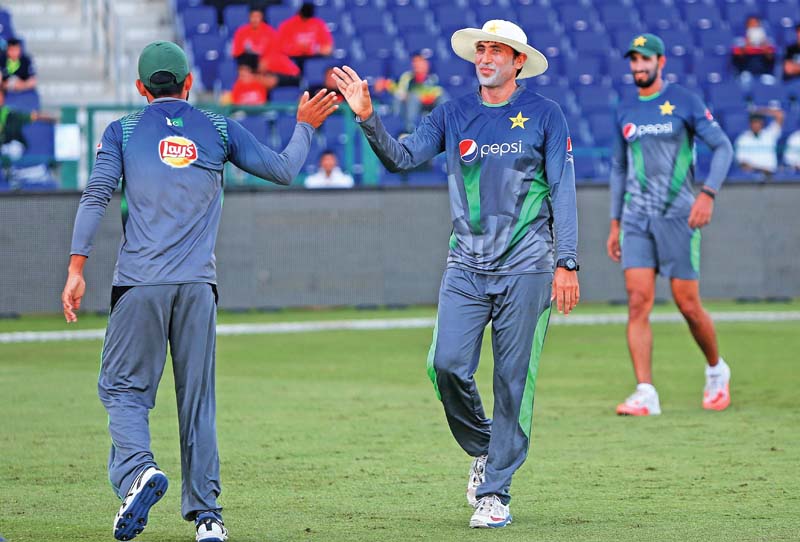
[570, 264]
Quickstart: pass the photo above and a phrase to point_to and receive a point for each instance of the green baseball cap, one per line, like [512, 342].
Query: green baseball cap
[646, 44]
[162, 56]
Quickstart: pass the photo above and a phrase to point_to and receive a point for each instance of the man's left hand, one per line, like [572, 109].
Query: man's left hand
[566, 290]
[701, 212]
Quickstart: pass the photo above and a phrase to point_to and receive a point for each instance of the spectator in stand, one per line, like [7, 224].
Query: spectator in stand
[754, 54]
[329, 84]
[19, 73]
[250, 87]
[303, 35]
[791, 156]
[255, 37]
[416, 93]
[791, 58]
[329, 174]
[276, 62]
[756, 149]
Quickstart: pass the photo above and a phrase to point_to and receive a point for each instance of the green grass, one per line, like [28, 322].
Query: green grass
[337, 436]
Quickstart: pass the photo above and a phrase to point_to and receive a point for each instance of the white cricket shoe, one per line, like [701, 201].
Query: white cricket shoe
[477, 473]
[146, 490]
[210, 527]
[643, 402]
[717, 392]
[490, 513]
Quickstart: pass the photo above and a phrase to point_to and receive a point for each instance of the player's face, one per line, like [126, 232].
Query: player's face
[495, 64]
[644, 69]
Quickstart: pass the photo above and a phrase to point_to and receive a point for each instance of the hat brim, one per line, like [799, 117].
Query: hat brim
[649, 53]
[464, 41]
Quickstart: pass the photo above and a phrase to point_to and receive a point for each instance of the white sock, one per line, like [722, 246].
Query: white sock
[718, 368]
[648, 388]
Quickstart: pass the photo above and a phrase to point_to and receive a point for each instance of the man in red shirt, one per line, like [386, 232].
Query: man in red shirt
[304, 35]
[256, 37]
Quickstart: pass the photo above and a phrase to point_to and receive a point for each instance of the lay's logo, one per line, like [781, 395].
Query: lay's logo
[176, 151]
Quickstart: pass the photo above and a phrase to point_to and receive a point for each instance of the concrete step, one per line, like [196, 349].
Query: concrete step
[44, 8]
[84, 92]
[66, 39]
[134, 39]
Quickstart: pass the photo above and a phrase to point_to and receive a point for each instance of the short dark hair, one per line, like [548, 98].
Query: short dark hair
[174, 88]
[247, 59]
[326, 152]
[307, 10]
[13, 41]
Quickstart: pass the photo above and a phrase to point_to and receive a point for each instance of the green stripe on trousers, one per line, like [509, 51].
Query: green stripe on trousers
[526, 408]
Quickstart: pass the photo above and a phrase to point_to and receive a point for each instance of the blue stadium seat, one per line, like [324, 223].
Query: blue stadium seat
[717, 41]
[411, 20]
[199, 20]
[659, 17]
[712, 68]
[421, 41]
[182, 5]
[549, 42]
[234, 16]
[284, 95]
[677, 42]
[40, 138]
[342, 45]
[27, 100]
[703, 16]
[227, 73]
[678, 65]
[367, 19]
[208, 52]
[314, 70]
[452, 16]
[332, 16]
[726, 96]
[782, 15]
[371, 68]
[6, 25]
[769, 95]
[576, 17]
[277, 14]
[620, 72]
[588, 71]
[377, 44]
[590, 42]
[735, 122]
[533, 20]
[284, 128]
[736, 13]
[485, 13]
[619, 17]
[595, 98]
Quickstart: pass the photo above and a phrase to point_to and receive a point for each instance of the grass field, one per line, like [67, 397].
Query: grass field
[337, 436]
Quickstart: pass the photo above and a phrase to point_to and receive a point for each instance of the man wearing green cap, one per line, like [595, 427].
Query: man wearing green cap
[656, 219]
[169, 158]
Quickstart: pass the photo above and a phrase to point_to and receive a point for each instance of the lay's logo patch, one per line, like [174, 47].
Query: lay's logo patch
[176, 151]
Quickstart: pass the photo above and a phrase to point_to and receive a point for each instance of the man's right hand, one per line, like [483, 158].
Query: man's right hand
[355, 90]
[74, 288]
[315, 110]
[612, 244]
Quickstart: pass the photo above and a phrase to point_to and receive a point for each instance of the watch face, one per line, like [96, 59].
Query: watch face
[571, 264]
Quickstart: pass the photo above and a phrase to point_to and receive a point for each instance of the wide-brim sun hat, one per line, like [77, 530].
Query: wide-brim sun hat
[464, 41]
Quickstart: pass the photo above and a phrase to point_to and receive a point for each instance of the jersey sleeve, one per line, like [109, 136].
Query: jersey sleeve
[560, 171]
[246, 152]
[619, 170]
[708, 129]
[103, 180]
[426, 142]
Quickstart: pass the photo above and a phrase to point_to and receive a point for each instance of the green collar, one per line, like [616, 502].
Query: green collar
[654, 96]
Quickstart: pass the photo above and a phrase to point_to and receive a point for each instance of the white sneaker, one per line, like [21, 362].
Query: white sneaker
[210, 527]
[490, 513]
[643, 402]
[146, 490]
[717, 392]
[477, 473]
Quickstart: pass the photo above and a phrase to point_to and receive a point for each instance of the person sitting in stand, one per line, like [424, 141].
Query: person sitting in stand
[329, 174]
[251, 87]
[303, 35]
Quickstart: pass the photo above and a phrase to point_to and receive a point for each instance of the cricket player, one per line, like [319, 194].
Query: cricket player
[511, 181]
[656, 219]
[169, 159]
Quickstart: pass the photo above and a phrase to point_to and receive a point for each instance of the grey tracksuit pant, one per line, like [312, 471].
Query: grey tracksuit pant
[143, 321]
[519, 308]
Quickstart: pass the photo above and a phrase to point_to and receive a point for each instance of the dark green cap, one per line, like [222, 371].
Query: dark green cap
[646, 44]
[162, 56]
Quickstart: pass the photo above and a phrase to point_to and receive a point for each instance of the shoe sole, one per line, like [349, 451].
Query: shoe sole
[133, 522]
[638, 412]
[485, 525]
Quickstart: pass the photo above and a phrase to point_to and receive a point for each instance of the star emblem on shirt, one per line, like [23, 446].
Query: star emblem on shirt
[666, 108]
[641, 41]
[519, 120]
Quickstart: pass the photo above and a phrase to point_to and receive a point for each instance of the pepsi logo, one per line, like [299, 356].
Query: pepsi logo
[709, 116]
[629, 131]
[468, 149]
[177, 151]
[569, 144]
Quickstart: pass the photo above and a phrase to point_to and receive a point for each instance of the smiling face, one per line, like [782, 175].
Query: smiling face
[646, 69]
[496, 63]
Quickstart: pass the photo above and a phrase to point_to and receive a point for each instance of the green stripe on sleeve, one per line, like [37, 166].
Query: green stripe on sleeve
[679, 172]
[431, 354]
[453, 241]
[695, 250]
[638, 164]
[472, 187]
[526, 408]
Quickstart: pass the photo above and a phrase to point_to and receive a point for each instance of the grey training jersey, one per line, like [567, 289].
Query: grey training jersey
[168, 159]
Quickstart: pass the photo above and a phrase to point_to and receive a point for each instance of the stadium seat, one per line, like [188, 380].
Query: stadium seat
[411, 20]
[284, 128]
[367, 19]
[425, 42]
[234, 16]
[677, 42]
[284, 95]
[314, 70]
[377, 44]
[782, 15]
[595, 98]
[712, 68]
[590, 42]
[576, 17]
[40, 139]
[619, 17]
[550, 43]
[371, 68]
[659, 17]
[602, 127]
[726, 96]
[485, 13]
[452, 16]
[277, 14]
[199, 20]
[702, 16]
[182, 5]
[717, 41]
[533, 20]
[332, 16]
[27, 100]
[589, 70]
[6, 26]
[208, 53]
[769, 95]
[735, 122]
[227, 73]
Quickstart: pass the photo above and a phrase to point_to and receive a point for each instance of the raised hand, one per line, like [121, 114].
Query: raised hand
[315, 110]
[354, 89]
